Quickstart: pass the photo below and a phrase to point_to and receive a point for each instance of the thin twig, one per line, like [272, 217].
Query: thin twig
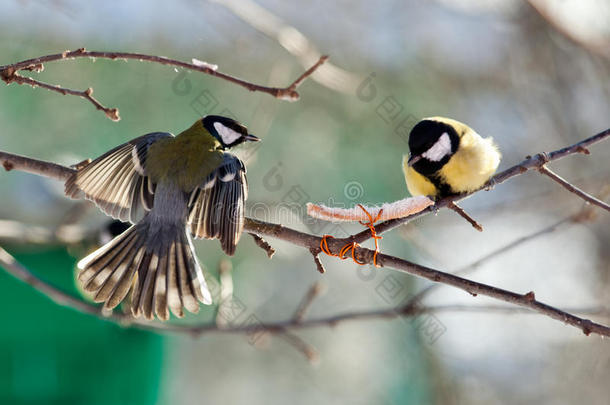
[111, 113]
[510, 310]
[262, 243]
[81, 164]
[454, 207]
[9, 74]
[314, 291]
[308, 72]
[307, 350]
[334, 320]
[573, 189]
[225, 294]
[315, 253]
[11, 161]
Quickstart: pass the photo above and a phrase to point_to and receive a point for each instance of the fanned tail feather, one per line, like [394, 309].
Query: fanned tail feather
[158, 265]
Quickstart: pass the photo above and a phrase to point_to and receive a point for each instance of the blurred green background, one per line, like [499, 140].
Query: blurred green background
[534, 78]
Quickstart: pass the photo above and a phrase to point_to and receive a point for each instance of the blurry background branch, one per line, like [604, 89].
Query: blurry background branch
[363, 255]
[294, 41]
[549, 11]
[17, 270]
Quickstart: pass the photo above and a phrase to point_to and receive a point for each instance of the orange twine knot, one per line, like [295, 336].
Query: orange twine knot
[353, 245]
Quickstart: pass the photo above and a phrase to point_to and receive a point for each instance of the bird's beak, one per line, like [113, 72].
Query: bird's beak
[252, 138]
[413, 159]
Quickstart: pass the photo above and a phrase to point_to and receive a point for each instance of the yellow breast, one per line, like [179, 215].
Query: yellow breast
[475, 161]
[416, 183]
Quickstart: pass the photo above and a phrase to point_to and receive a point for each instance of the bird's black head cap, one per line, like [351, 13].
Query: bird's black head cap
[229, 132]
[431, 145]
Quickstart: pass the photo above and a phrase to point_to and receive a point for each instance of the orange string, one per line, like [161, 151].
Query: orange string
[371, 226]
[353, 245]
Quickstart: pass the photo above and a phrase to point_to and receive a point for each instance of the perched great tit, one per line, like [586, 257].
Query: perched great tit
[448, 157]
[169, 187]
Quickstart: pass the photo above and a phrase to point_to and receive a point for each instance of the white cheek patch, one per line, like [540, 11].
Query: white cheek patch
[227, 134]
[440, 149]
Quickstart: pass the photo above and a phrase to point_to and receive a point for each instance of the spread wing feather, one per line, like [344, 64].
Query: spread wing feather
[117, 180]
[216, 207]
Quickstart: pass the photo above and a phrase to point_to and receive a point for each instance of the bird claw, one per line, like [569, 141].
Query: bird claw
[491, 184]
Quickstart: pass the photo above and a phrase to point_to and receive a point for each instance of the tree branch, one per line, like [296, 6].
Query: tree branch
[310, 352]
[460, 211]
[111, 113]
[43, 168]
[281, 327]
[263, 244]
[573, 189]
[366, 256]
[10, 73]
[60, 297]
[312, 242]
[315, 254]
[314, 292]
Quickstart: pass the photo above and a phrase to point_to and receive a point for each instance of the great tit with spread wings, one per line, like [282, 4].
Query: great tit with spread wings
[169, 187]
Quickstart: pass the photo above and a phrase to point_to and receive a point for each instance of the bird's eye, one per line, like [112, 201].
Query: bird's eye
[228, 135]
[440, 149]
